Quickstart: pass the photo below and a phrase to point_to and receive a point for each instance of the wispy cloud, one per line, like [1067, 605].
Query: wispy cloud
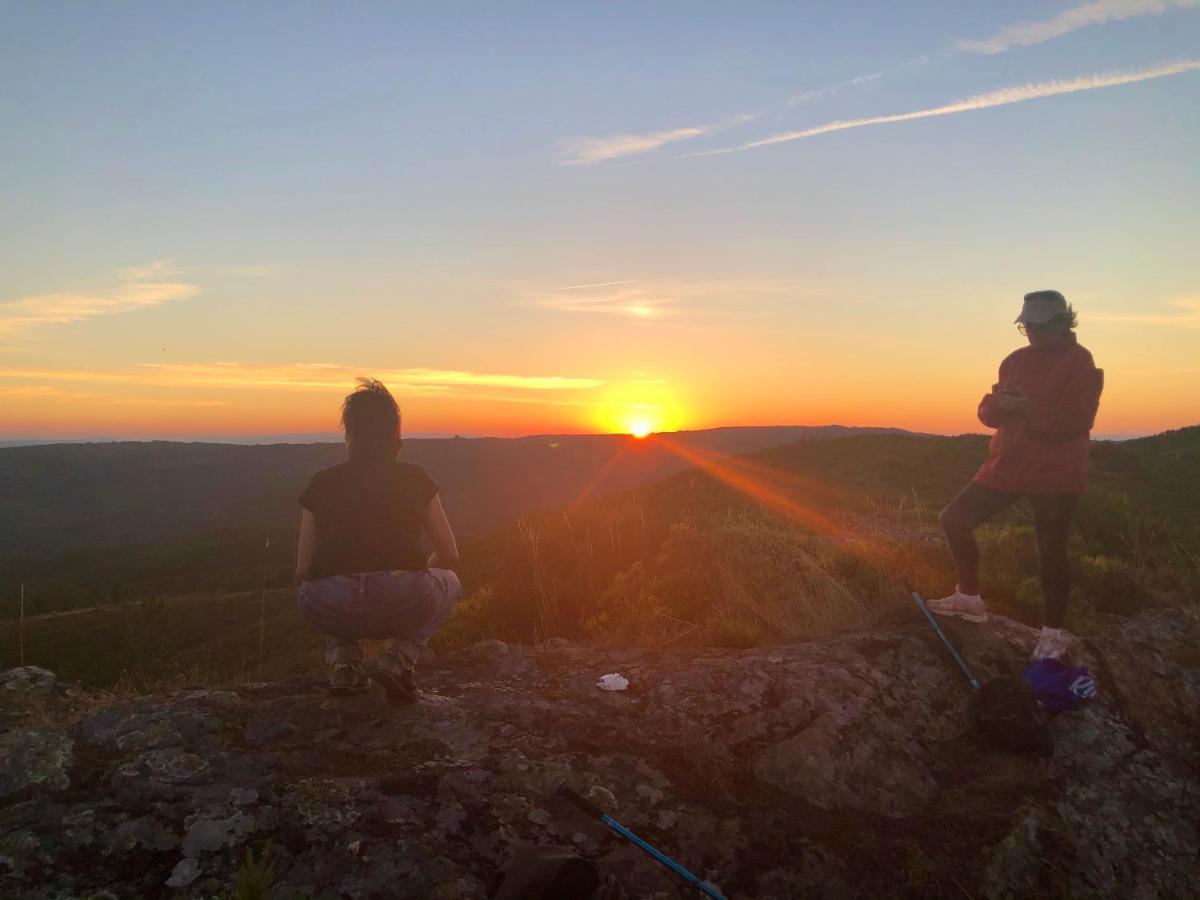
[157, 270]
[1188, 315]
[30, 390]
[250, 271]
[326, 376]
[665, 298]
[138, 287]
[225, 384]
[829, 90]
[587, 151]
[299, 376]
[1002, 97]
[856, 82]
[600, 284]
[451, 378]
[71, 375]
[1099, 12]
[614, 298]
[50, 392]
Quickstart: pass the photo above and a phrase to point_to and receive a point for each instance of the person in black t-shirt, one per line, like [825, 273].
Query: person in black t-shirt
[360, 560]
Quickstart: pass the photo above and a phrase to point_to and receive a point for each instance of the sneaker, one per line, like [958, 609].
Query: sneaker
[968, 607]
[1055, 643]
[347, 678]
[394, 676]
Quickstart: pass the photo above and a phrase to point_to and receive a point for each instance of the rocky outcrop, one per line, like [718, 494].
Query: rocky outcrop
[29, 681]
[846, 767]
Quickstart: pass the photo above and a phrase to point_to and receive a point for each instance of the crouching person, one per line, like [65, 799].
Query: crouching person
[361, 561]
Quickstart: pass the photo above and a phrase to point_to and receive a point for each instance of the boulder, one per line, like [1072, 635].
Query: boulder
[843, 767]
[30, 680]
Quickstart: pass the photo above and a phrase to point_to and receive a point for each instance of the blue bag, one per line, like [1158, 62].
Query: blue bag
[1057, 687]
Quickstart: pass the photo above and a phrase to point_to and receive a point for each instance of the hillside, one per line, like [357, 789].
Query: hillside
[786, 544]
[811, 538]
[848, 767]
[83, 524]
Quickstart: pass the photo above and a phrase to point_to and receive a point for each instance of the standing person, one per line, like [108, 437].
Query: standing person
[1042, 408]
[360, 560]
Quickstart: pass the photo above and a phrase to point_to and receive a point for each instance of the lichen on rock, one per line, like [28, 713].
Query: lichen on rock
[34, 757]
[845, 767]
[28, 680]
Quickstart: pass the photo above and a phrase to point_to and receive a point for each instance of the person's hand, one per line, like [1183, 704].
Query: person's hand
[1013, 401]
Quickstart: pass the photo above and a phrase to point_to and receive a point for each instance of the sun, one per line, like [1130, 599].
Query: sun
[641, 427]
[641, 415]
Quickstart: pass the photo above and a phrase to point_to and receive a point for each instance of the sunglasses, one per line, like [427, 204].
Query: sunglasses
[1030, 327]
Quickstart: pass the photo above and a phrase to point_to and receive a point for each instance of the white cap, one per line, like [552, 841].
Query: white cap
[1042, 306]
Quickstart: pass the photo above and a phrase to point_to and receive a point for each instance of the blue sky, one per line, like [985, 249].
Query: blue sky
[528, 191]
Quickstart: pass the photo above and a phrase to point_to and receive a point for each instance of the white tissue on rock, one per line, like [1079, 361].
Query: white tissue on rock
[613, 681]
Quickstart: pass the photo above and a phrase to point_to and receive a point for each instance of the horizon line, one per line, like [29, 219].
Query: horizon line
[303, 438]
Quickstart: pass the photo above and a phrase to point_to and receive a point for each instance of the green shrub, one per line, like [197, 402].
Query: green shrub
[744, 579]
[255, 876]
[1113, 525]
[1110, 585]
[1008, 560]
[736, 633]
[476, 617]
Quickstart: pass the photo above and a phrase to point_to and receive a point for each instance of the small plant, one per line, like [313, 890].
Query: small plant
[730, 632]
[1111, 585]
[21, 633]
[477, 617]
[255, 876]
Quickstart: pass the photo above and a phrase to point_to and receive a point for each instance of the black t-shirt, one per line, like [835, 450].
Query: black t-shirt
[368, 517]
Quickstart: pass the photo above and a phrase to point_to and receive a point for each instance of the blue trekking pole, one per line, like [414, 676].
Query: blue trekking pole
[596, 813]
[945, 640]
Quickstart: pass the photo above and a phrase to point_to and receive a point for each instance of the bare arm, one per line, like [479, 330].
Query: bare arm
[306, 546]
[445, 550]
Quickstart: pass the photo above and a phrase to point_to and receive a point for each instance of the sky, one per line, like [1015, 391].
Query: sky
[577, 217]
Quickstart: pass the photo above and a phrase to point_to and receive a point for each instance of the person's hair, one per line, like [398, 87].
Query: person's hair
[1070, 320]
[371, 418]
[1067, 321]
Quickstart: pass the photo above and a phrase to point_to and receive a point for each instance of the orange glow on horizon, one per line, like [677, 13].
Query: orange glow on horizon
[145, 402]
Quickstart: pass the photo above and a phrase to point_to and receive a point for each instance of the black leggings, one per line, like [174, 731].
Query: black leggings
[1052, 523]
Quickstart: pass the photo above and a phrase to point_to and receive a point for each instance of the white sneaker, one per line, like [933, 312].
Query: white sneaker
[968, 607]
[1055, 643]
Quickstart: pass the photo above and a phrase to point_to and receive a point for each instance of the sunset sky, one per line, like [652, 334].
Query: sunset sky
[575, 217]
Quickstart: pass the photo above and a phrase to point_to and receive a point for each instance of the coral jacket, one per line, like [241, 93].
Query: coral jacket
[1045, 449]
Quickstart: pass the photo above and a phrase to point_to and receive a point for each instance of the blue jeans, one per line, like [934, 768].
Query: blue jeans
[404, 608]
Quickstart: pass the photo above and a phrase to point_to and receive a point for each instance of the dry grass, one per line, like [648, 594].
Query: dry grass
[752, 578]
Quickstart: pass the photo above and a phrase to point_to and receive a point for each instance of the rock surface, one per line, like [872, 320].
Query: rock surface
[29, 680]
[846, 767]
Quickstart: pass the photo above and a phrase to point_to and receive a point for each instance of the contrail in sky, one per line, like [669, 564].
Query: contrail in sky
[1097, 12]
[1002, 97]
[587, 151]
